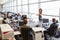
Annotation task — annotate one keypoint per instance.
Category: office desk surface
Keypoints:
(16, 33)
(35, 29)
(17, 20)
(38, 29)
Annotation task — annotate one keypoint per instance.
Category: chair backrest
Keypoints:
(21, 23)
(0, 34)
(26, 33)
(24, 17)
(53, 29)
(16, 18)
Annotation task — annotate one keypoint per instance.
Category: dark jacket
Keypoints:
(40, 18)
(53, 27)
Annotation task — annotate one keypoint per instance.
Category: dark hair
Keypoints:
(24, 17)
(40, 11)
(53, 19)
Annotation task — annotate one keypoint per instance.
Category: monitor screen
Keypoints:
(45, 20)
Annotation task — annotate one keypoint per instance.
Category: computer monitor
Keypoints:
(45, 20)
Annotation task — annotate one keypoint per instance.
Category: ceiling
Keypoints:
(3, 1)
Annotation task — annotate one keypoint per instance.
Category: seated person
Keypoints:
(16, 17)
(19, 16)
(4, 21)
(50, 31)
(27, 33)
(24, 18)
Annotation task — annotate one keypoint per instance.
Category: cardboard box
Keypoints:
(6, 31)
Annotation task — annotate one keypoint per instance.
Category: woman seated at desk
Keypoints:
(24, 18)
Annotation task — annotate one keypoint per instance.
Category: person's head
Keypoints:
(53, 20)
(19, 14)
(40, 11)
(56, 21)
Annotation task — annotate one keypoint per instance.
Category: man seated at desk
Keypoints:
(53, 27)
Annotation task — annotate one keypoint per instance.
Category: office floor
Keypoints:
(53, 38)
(56, 38)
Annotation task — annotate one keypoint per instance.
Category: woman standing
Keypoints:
(40, 17)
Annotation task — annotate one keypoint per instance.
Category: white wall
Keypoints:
(1, 7)
(3, 1)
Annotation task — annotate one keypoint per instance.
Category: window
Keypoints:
(14, 9)
(14, 3)
(51, 8)
(33, 1)
(50, 17)
(18, 2)
(7, 9)
(19, 8)
(25, 8)
(33, 8)
(45, 0)
(24, 1)
(10, 4)
(7, 5)
(34, 17)
(4, 9)
(25, 13)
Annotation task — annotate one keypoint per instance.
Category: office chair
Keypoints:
(27, 33)
(10, 17)
(16, 18)
(52, 33)
(24, 17)
(0, 34)
(21, 23)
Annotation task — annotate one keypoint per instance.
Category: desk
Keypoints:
(38, 34)
(17, 20)
(16, 33)
(38, 29)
